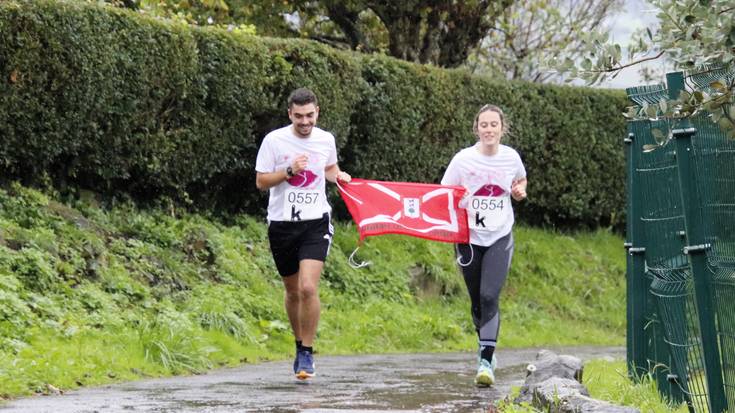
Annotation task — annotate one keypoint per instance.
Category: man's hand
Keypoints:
(334, 174)
(344, 177)
(299, 164)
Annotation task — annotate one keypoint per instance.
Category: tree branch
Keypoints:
(633, 63)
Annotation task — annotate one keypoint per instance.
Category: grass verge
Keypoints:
(92, 295)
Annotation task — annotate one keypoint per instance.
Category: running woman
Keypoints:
(293, 163)
(492, 173)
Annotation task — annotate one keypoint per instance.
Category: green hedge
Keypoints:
(108, 100)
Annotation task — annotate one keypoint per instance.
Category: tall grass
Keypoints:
(608, 380)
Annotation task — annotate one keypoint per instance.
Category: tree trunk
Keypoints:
(439, 32)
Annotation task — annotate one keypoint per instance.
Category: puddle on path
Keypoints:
(373, 383)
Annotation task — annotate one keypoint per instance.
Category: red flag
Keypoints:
(421, 210)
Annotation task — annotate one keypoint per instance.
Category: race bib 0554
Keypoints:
(488, 213)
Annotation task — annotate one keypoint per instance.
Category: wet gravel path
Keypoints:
(439, 382)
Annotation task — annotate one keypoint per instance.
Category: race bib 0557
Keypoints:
(301, 205)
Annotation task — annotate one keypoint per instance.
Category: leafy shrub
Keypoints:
(102, 98)
(34, 268)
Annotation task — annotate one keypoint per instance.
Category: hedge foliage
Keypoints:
(105, 99)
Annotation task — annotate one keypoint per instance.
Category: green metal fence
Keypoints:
(714, 170)
(681, 251)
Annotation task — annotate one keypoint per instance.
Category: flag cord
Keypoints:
(354, 264)
(459, 256)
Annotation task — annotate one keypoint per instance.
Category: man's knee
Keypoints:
(308, 291)
(293, 295)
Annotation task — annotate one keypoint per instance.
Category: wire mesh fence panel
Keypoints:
(663, 353)
(682, 210)
(662, 221)
(714, 169)
(676, 303)
(703, 78)
(647, 94)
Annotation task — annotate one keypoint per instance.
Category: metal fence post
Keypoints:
(636, 284)
(696, 250)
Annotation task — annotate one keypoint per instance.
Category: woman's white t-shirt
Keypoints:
(302, 197)
(488, 180)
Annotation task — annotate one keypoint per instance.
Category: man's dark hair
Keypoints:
(302, 96)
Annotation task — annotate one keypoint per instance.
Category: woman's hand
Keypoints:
(464, 202)
(518, 189)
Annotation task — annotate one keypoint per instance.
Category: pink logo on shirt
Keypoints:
(303, 179)
(489, 190)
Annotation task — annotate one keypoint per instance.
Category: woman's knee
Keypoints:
(490, 304)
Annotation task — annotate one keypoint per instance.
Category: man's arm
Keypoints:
(266, 181)
(333, 173)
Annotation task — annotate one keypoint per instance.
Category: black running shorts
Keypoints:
(292, 242)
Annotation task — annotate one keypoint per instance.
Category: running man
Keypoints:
(293, 163)
(492, 173)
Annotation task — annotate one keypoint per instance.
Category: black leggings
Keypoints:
(485, 276)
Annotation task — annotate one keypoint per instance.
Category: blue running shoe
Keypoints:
(305, 368)
(296, 362)
(493, 362)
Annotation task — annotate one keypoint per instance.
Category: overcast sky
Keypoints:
(635, 14)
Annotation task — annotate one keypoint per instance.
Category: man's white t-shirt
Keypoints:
(488, 180)
(302, 197)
